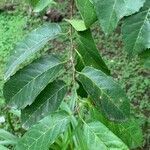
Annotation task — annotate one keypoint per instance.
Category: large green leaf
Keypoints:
(129, 132)
(47, 102)
(43, 134)
(99, 137)
(109, 12)
(88, 53)
(22, 88)
(136, 31)
(87, 12)
(105, 93)
(31, 44)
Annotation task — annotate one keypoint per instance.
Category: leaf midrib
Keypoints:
(35, 79)
(28, 52)
(43, 104)
(35, 141)
(139, 33)
(104, 93)
(22, 56)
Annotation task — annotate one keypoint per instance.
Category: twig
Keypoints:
(71, 43)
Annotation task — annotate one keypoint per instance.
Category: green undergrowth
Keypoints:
(131, 75)
(11, 30)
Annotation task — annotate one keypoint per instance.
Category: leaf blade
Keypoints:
(87, 12)
(43, 134)
(98, 136)
(42, 4)
(47, 102)
(3, 147)
(22, 88)
(78, 25)
(129, 132)
(32, 43)
(136, 31)
(106, 94)
(88, 52)
(7, 136)
(110, 12)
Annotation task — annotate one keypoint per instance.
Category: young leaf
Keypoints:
(106, 93)
(110, 12)
(30, 45)
(22, 88)
(88, 52)
(47, 102)
(78, 25)
(98, 136)
(43, 134)
(42, 4)
(87, 12)
(136, 31)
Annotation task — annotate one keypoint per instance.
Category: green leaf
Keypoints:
(78, 25)
(145, 58)
(30, 45)
(110, 12)
(88, 52)
(87, 12)
(42, 4)
(22, 88)
(7, 142)
(3, 147)
(7, 136)
(47, 102)
(129, 132)
(98, 136)
(33, 2)
(81, 91)
(106, 93)
(136, 31)
(43, 134)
